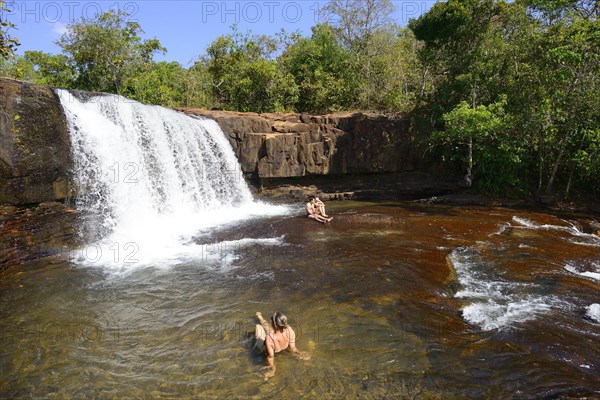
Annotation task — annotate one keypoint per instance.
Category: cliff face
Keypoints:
(278, 145)
(35, 156)
(339, 156)
(273, 149)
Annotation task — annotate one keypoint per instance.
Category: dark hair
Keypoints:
(279, 320)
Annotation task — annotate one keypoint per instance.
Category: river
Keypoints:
(392, 300)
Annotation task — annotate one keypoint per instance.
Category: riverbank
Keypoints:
(583, 207)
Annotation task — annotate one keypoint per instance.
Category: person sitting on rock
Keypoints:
(321, 207)
(275, 337)
(313, 210)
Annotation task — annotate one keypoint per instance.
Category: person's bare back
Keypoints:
(275, 337)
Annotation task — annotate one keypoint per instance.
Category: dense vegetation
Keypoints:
(508, 91)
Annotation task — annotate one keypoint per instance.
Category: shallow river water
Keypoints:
(392, 300)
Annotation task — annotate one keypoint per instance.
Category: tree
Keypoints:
(198, 87)
(40, 67)
(555, 87)
(106, 51)
(51, 69)
(8, 43)
(393, 77)
(158, 83)
(323, 71)
(354, 22)
(543, 58)
(245, 76)
(461, 44)
(381, 52)
(493, 154)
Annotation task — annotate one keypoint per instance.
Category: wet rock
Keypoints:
(34, 145)
(594, 228)
(290, 191)
(48, 230)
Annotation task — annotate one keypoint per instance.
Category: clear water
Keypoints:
(376, 297)
(392, 300)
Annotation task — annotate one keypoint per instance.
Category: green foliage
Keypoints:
(323, 71)
(543, 57)
(8, 43)
(106, 51)
(510, 89)
(354, 22)
(157, 83)
(392, 73)
(461, 49)
(484, 123)
(245, 77)
(51, 69)
(497, 156)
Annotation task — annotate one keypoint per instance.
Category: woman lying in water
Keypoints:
(275, 337)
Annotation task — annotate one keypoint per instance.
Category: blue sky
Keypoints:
(185, 28)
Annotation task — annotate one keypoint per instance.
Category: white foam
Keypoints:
(587, 274)
(593, 311)
(523, 221)
(578, 237)
(494, 303)
(149, 178)
(490, 315)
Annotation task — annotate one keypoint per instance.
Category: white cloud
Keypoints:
(59, 28)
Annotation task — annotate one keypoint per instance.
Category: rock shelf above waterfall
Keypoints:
(36, 153)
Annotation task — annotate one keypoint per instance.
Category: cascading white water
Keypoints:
(148, 177)
(493, 302)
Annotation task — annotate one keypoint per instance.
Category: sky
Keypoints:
(185, 28)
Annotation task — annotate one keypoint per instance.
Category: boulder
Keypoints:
(35, 156)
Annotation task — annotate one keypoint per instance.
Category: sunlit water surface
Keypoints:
(391, 301)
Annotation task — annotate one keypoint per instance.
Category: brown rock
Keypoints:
(48, 230)
(290, 127)
(305, 118)
(330, 144)
(35, 156)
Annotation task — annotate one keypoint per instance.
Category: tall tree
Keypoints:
(158, 83)
(460, 47)
(356, 21)
(51, 69)
(366, 29)
(323, 71)
(457, 37)
(107, 50)
(245, 76)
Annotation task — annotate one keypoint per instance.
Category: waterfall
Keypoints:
(149, 177)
